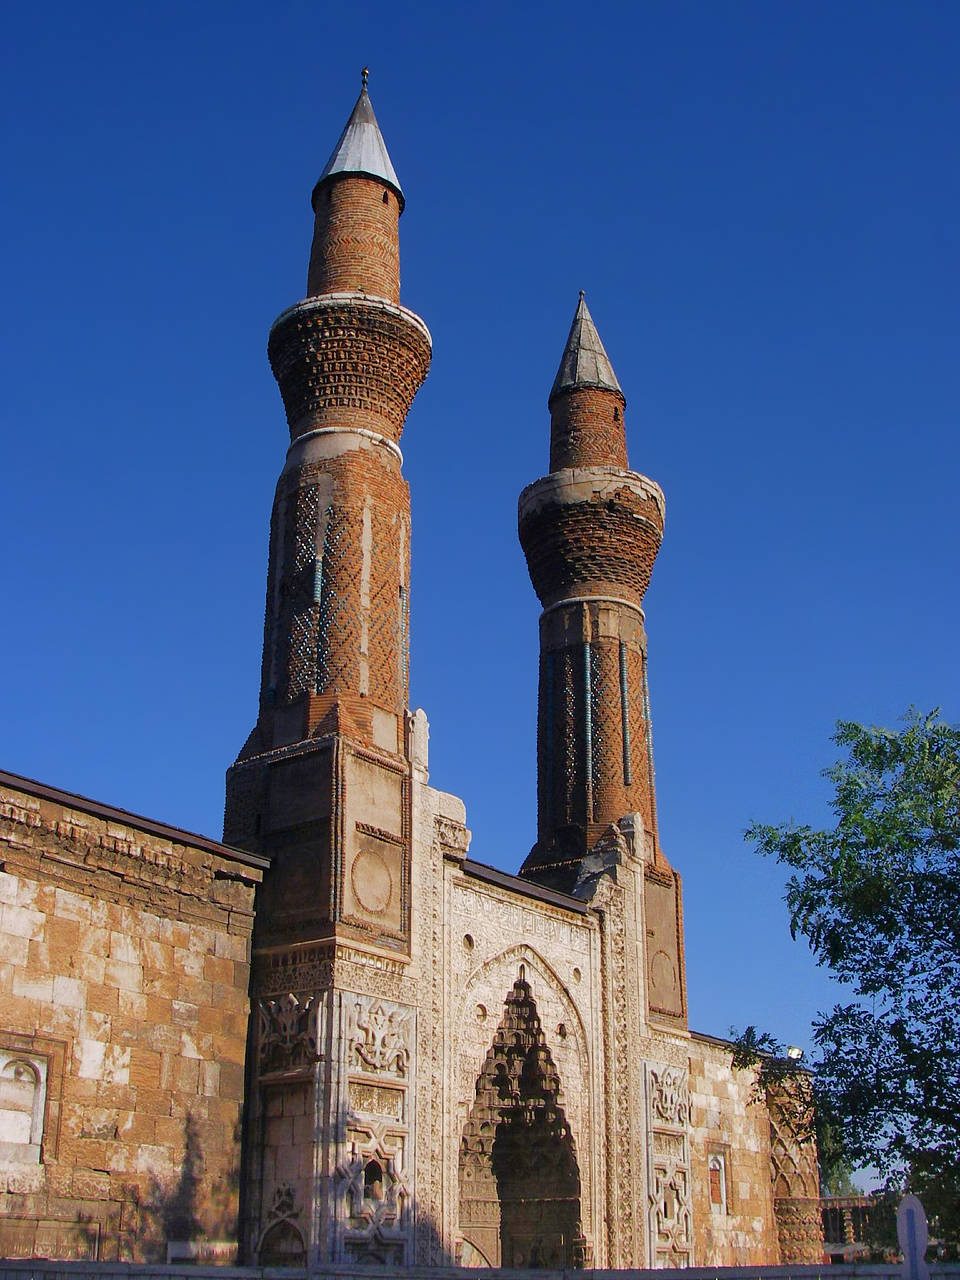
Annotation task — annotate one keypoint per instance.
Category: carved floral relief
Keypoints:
(669, 1097)
(288, 1032)
(379, 1035)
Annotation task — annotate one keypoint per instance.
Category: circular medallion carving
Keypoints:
(371, 881)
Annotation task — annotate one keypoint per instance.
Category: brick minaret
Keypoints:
(590, 531)
(326, 783)
(348, 360)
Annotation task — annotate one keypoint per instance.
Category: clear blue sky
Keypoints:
(760, 200)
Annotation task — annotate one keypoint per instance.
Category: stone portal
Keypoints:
(519, 1180)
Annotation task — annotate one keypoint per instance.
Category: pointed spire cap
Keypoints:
(584, 362)
(361, 148)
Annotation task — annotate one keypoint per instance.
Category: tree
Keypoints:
(878, 899)
(775, 1071)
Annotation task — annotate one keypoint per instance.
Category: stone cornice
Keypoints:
(92, 848)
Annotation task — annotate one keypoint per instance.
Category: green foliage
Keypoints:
(836, 1168)
(878, 899)
(778, 1074)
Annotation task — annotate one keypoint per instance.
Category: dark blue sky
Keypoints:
(760, 200)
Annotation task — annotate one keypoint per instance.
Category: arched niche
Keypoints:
(519, 1180)
(480, 1007)
(22, 1100)
(282, 1246)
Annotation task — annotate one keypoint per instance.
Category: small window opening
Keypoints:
(373, 1180)
(616, 414)
(386, 197)
(718, 1183)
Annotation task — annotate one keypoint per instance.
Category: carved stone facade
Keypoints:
(669, 1192)
(444, 1063)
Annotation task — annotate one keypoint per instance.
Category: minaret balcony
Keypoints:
(349, 359)
(591, 531)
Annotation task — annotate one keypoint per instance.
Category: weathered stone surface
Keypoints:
(86, 898)
(447, 1064)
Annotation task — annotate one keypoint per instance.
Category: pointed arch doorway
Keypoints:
(519, 1178)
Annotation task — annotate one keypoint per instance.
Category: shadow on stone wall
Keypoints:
(376, 1226)
(189, 1207)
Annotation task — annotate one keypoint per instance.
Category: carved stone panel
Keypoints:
(665, 994)
(288, 1033)
(669, 1096)
(479, 1002)
(373, 1179)
(669, 1192)
(373, 894)
(373, 888)
(379, 1036)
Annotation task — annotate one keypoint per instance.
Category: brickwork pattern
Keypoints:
(619, 776)
(586, 429)
(793, 1163)
(347, 362)
(590, 532)
(132, 953)
(355, 246)
(593, 547)
(321, 786)
(337, 612)
(560, 774)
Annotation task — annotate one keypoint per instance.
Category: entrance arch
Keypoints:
(519, 1178)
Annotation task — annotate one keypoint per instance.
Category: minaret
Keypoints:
(348, 360)
(590, 531)
(326, 784)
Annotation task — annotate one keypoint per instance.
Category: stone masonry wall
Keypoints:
(733, 1215)
(124, 962)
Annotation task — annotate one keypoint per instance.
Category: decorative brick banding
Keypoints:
(348, 363)
(606, 545)
(586, 429)
(355, 244)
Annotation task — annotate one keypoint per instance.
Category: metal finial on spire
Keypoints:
(582, 294)
(361, 148)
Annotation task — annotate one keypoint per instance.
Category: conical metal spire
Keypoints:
(584, 362)
(361, 148)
